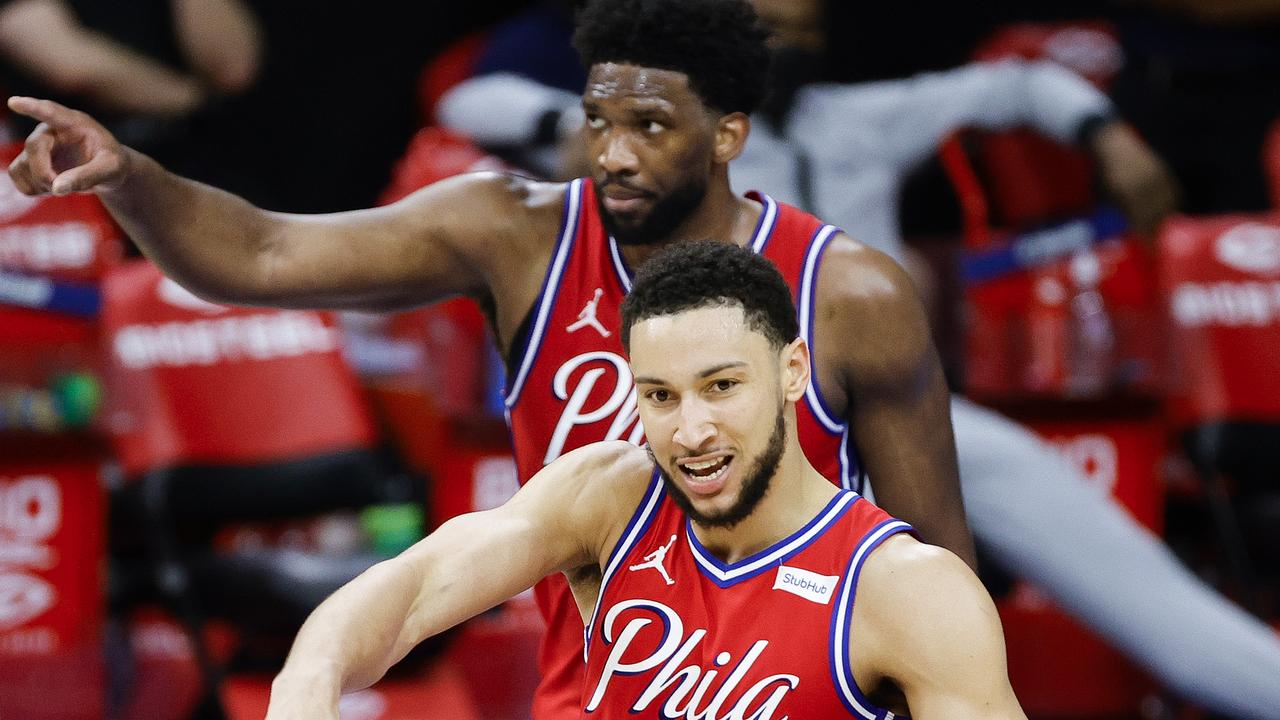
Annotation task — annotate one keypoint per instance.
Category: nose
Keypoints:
(696, 429)
(617, 157)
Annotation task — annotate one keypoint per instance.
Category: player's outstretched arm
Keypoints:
(461, 236)
(873, 327)
(564, 517)
(923, 621)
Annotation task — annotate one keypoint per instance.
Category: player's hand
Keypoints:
(1135, 177)
(68, 152)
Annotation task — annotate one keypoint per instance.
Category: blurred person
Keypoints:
(843, 152)
(667, 111)
(719, 541)
(157, 61)
(1199, 82)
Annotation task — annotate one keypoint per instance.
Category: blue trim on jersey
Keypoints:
(637, 527)
(808, 300)
(550, 287)
(727, 574)
(841, 667)
(764, 225)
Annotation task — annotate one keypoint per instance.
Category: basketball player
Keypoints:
(670, 87)
(737, 581)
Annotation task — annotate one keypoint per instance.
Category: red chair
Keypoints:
(225, 415)
(52, 504)
(1221, 276)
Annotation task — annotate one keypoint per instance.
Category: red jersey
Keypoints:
(570, 385)
(676, 633)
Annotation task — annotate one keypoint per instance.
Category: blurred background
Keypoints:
(181, 482)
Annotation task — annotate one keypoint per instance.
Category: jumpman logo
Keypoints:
(654, 560)
(588, 317)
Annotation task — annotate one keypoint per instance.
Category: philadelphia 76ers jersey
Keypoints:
(676, 633)
(570, 384)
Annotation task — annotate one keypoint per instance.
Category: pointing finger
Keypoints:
(46, 111)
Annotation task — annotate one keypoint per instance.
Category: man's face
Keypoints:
(712, 402)
(650, 141)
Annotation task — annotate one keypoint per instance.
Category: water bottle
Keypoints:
(1091, 344)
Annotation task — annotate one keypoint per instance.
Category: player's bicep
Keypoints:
(446, 239)
(898, 405)
(944, 647)
(558, 521)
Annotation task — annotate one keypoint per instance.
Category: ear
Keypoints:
(795, 369)
(731, 135)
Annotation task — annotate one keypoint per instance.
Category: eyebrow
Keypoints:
(705, 373)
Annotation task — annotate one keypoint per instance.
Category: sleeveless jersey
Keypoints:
(677, 633)
(570, 385)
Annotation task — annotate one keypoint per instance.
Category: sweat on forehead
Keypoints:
(726, 67)
(643, 84)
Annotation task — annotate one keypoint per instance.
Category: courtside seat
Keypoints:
(1222, 279)
(222, 415)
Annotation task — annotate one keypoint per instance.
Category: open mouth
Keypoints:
(706, 476)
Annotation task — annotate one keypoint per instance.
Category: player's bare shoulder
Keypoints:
(484, 216)
(865, 296)
(922, 601)
(595, 489)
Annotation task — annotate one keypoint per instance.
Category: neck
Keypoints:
(722, 216)
(797, 493)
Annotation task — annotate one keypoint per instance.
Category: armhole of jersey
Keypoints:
(550, 286)
(636, 528)
(808, 300)
(520, 343)
(841, 668)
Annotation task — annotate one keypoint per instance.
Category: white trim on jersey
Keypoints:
(806, 292)
(846, 685)
(550, 287)
(846, 482)
(636, 530)
(765, 231)
(619, 265)
(724, 574)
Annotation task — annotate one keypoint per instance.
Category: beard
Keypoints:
(666, 215)
(754, 487)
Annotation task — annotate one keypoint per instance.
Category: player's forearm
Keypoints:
(211, 241)
(354, 636)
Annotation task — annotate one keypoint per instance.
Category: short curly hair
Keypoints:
(718, 44)
(705, 273)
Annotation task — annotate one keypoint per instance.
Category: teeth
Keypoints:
(715, 474)
(693, 469)
(703, 465)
